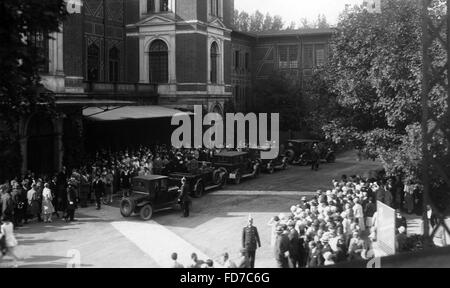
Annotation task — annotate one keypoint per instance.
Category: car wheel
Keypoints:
(146, 212)
(290, 154)
(199, 190)
(237, 180)
(127, 207)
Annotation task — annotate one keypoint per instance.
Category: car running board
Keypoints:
(212, 187)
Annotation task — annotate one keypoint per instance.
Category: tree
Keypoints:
(279, 94)
(256, 22)
(321, 22)
(278, 23)
(268, 22)
(292, 26)
(242, 21)
(375, 71)
(23, 22)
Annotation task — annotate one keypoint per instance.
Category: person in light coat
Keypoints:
(47, 206)
(359, 214)
(7, 231)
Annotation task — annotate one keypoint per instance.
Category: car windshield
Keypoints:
(139, 185)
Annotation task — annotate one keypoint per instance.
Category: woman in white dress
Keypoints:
(7, 231)
(47, 206)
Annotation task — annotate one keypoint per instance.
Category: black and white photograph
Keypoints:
(236, 134)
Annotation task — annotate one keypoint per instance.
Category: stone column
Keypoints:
(59, 147)
(24, 153)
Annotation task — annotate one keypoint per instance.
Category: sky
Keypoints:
(294, 10)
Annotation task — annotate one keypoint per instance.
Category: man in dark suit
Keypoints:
(315, 259)
(281, 249)
(71, 205)
(250, 241)
(294, 245)
(99, 190)
(184, 198)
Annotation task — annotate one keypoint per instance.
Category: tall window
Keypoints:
(237, 56)
(247, 61)
(214, 7)
(39, 41)
(164, 5)
(159, 62)
(288, 57)
(314, 55)
(93, 62)
(308, 56)
(214, 60)
(151, 6)
(114, 60)
(320, 55)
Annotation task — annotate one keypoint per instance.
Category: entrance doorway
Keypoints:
(41, 145)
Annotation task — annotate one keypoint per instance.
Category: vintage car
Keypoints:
(203, 179)
(239, 165)
(268, 165)
(300, 151)
(149, 194)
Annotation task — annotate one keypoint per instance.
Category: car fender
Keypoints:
(199, 181)
(143, 203)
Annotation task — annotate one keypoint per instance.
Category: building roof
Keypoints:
(296, 32)
(130, 113)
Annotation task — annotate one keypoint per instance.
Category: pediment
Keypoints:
(155, 20)
(217, 23)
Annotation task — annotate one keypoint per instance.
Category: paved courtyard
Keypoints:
(105, 239)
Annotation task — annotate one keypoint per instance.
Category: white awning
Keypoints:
(130, 113)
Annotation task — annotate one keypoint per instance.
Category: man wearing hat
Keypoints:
(294, 245)
(184, 198)
(281, 250)
(250, 241)
(71, 201)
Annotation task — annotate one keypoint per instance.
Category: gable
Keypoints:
(217, 23)
(155, 20)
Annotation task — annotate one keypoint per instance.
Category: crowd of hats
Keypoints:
(340, 223)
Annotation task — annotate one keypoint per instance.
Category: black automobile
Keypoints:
(203, 179)
(149, 194)
(300, 151)
(239, 165)
(268, 165)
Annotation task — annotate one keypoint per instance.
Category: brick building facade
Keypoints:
(171, 53)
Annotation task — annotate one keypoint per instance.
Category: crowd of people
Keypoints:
(336, 225)
(106, 173)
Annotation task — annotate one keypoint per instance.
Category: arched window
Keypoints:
(159, 56)
(93, 64)
(214, 61)
(114, 60)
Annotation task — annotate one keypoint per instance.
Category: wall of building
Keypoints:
(241, 68)
(191, 58)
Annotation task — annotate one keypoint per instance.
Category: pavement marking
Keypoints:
(263, 193)
(159, 242)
